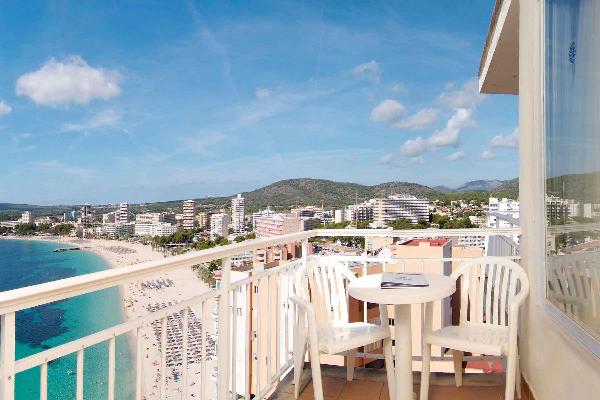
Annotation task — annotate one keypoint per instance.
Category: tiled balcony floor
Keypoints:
(370, 384)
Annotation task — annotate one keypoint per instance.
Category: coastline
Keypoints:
(138, 298)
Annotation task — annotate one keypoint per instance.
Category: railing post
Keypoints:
(7, 355)
(224, 356)
(304, 253)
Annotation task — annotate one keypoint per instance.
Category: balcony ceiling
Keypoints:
(499, 67)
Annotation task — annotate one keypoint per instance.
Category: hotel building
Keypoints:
(189, 211)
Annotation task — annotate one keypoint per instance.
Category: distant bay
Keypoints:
(25, 263)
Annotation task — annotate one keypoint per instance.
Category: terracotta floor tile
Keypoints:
(332, 388)
(361, 390)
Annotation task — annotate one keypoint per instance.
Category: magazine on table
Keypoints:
(390, 280)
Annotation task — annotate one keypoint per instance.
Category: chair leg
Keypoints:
(518, 383)
(511, 374)
(299, 352)
(350, 363)
(389, 367)
(315, 364)
(458, 369)
(425, 367)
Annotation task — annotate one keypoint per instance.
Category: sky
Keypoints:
(148, 101)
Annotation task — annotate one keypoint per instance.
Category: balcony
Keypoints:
(236, 339)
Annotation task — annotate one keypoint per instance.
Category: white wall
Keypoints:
(555, 365)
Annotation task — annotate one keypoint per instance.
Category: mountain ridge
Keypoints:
(304, 191)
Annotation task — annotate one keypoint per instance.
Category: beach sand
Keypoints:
(141, 297)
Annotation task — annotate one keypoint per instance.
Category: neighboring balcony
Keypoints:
(236, 340)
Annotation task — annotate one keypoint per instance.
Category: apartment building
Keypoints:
(281, 224)
(360, 212)
(238, 214)
(399, 206)
(189, 211)
(86, 215)
(26, 218)
(219, 225)
(203, 220)
(149, 218)
(123, 214)
(503, 207)
(154, 228)
(262, 213)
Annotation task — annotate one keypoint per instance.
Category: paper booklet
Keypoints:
(402, 280)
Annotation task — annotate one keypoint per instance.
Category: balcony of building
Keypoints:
(236, 338)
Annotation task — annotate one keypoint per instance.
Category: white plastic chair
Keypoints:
(492, 290)
(322, 323)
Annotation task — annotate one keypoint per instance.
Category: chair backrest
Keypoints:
(488, 288)
(574, 284)
(326, 289)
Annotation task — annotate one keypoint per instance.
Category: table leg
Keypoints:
(403, 339)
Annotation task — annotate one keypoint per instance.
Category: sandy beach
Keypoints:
(142, 297)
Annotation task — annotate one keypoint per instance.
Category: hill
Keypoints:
(304, 191)
(508, 189)
(480, 186)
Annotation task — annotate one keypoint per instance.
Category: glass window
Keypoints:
(572, 109)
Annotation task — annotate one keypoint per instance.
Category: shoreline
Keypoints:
(140, 298)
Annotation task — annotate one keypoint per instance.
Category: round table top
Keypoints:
(368, 288)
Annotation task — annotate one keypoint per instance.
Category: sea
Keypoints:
(25, 263)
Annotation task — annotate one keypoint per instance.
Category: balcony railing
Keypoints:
(232, 341)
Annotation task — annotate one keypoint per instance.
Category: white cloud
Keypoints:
(386, 158)
(416, 160)
(413, 147)
(201, 142)
(388, 111)
(422, 119)
(262, 93)
(510, 141)
(456, 156)
(103, 119)
(4, 108)
(369, 71)
(59, 167)
(466, 97)
(71, 81)
(399, 87)
(486, 155)
(450, 135)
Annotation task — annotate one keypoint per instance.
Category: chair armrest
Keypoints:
(304, 305)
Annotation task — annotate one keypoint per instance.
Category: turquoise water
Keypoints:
(24, 263)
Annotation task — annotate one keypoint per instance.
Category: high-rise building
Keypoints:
(219, 225)
(238, 213)
(86, 215)
(189, 211)
(400, 206)
(122, 216)
(203, 220)
(26, 218)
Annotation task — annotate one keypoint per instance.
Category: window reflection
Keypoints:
(572, 105)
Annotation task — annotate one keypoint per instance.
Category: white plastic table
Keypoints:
(368, 288)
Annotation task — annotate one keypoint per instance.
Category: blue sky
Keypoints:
(132, 101)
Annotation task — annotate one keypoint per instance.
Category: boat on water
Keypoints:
(59, 250)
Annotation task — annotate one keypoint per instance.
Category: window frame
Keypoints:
(567, 324)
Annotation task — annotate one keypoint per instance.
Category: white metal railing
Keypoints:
(251, 348)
